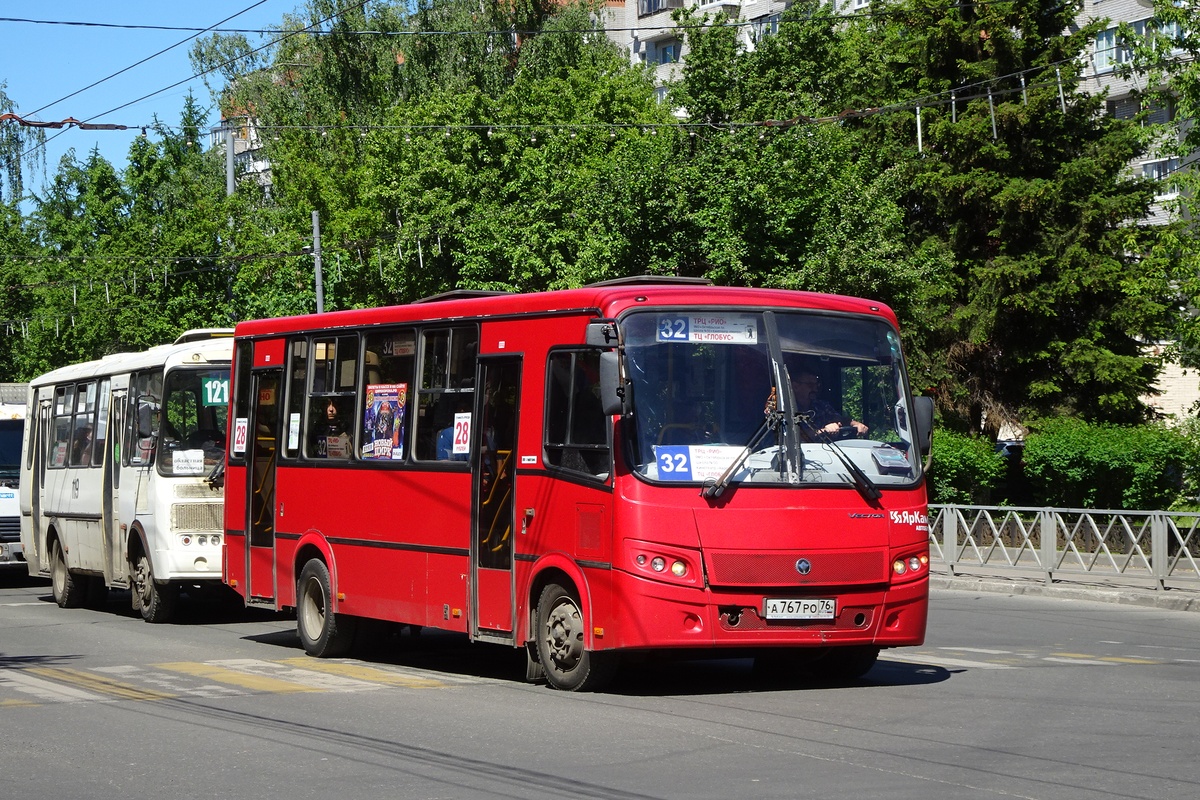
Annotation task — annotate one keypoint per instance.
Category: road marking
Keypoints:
(365, 673)
(1128, 660)
(48, 691)
(983, 650)
(14, 605)
(222, 674)
(1077, 658)
(942, 661)
(99, 683)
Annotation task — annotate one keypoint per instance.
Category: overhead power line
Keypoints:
(144, 60)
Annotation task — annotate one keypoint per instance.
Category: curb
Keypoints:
(1167, 600)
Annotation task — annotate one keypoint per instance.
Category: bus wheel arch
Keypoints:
(156, 600)
(560, 635)
(323, 632)
(68, 590)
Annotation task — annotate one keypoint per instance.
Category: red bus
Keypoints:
(636, 465)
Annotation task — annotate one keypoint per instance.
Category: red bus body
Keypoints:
(402, 539)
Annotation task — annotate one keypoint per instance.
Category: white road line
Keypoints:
(941, 661)
(45, 690)
(983, 650)
(306, 677)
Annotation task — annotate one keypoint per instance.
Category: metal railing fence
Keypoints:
(1156, 549)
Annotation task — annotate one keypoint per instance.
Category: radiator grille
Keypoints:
(197, 516)
(827, 568)
(10, 529)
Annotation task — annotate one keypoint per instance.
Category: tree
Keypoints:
(1016, 260)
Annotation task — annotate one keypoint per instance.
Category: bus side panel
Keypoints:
(398, 537)
(234, 559)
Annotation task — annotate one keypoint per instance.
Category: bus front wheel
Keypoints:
(323, 633)
(561, 628)
(69, 591)
(156, 601)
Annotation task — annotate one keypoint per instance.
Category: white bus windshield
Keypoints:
(196, 404)
(826, 403)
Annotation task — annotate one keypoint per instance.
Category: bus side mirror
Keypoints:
(613, 395)
(923, 423)
(145, 416)
(601, 333)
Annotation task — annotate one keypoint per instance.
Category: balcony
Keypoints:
(648, 7)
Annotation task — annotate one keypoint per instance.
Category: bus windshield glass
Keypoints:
(10, 449)
(192, 435)
(784, 397)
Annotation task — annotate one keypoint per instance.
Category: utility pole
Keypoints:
(228, 159)
(316, 219)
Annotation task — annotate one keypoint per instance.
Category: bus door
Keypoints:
(260, 484)
(493, 477)
(43, 418)
(110, 506)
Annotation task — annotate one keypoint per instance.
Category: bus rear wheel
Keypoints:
(69, 591)
(561, 628)
(156, 601)
(323, 633)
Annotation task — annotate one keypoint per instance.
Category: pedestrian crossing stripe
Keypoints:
(365, 673)
(256, 683)
(90, 681)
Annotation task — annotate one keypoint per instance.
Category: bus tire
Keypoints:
(69, 590)
(156, 601)
(323, 633)
(561, 627)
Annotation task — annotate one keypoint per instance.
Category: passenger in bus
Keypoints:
(81, 447)
(331, 439)
(445, 437)
(819, 416)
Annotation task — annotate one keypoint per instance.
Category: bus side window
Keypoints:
(448, 357)
(332, 390)
(389, 364)
(295, 396)
(576, 436)
(60, 443)
(84, 425)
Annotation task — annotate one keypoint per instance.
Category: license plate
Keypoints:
(795, 608)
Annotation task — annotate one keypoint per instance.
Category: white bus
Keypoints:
(12, 426)
(117, 474)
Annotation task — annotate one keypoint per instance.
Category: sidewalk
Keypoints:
(1094, 589)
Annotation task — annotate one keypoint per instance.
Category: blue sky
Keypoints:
(42, 63)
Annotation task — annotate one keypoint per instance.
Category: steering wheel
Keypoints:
(198, 438)
(845, 432)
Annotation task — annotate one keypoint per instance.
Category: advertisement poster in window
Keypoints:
(383, 421)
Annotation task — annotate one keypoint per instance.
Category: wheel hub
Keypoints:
(564, 636)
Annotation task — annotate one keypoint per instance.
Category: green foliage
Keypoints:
(1075, 464)
(546, 159)
(965, 469)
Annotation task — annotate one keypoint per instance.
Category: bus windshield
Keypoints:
(10, 449)
(783, 397)
(196, 404)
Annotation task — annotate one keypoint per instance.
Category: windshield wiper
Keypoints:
(770, 422)
(862, 483)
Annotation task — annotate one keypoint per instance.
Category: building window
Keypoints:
(1161, 169)
(647, 7)
(762, 27)
(669, 51)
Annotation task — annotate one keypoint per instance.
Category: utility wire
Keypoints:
(284, 37)
(147, 58)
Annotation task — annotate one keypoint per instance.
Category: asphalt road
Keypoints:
(1011, 697)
